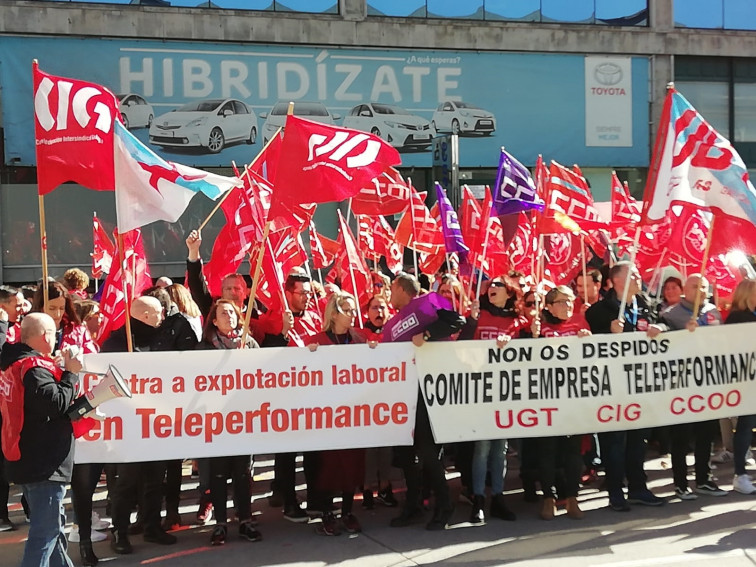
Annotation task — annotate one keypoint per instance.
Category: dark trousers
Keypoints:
(560, 465)
(680, 437)
(285, 482)
(4, 490)
(623, 454)
(237, 468)
(148, 475)
(424, 460)
(83, 484)
(172, 485)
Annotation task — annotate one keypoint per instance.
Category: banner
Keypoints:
(568, 385)
(232, 402)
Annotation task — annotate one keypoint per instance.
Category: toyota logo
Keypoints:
(607, 74)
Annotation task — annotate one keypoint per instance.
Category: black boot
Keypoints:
(120, 543)
(477, 517)
(88, 557)
(499, 509)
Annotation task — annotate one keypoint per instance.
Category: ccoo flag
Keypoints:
(695, 164)
(453, 239)
(515, 189)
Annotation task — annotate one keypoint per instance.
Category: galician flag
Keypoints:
(149, 188)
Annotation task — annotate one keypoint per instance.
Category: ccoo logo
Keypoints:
(560, 249)
(694, 237)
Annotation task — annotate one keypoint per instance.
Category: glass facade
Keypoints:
(601, 12)
(307, 6)
(716, 14)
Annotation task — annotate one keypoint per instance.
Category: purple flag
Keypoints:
(515, 190)
(453, 240)
(414, 317)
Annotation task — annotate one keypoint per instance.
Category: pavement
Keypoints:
(692, 533)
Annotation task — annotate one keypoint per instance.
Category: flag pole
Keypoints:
(633, 253)
(126, 294)
(585, 271)
(412, 232)
(246, 168)
(448, 271)
(482, 259)
(253, 289)
(43, 249)
(697, 302)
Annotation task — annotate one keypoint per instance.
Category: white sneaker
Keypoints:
(98, 523)
(74, 536)
(742, 483)
(724, 456)
(750, 461)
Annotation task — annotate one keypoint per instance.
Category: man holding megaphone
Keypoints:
(37, 434)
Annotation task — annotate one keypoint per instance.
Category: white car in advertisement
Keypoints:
(459, 117)
(393, 124)
(135, 111)
(315, 111)
(210, 125)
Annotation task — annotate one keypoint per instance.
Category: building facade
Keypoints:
(207, 83)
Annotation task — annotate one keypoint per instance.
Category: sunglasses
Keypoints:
(530, 304)
(498, 284)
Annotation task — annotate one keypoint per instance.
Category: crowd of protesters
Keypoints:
(174, 317)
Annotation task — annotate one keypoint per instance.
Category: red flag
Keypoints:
(265, 164)
(320, 258)
(73, 127)
(386, 245)
(325, 163)
(286, 249)
(470, 220)
(523, 246)
(417, 229)
(103, 250)
(569, 194)
(387, 195)
(350, 266)
(625, 210)
(565, 257)
(137, 276)
(235, 239)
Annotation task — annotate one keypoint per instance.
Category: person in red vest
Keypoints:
(37, 435)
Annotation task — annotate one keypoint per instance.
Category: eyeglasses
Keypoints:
(498, 284)
(565, 301)
(307, 293)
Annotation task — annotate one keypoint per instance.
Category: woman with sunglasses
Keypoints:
(341, 470)
(496, 315)
(558, 319)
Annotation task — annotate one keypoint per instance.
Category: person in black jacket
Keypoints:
(425, 458)
(146, 317)
(623, 452)
(38, 440)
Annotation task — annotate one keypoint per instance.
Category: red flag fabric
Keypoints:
(103, 250)
(470, 220)
(320, 258)
(626, 211)
(73, 127)
(417, 229)
(350, 266)
(523, 246)
(386, 245)
(387, 195)
(569, 194)
(265, 164)
(137, 277)
(326, 163)
(564, 257)
(236, 238)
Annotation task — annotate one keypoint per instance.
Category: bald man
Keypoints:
(146, 317)
(37, 439)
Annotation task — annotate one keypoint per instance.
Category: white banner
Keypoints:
(568, 385)
(608, 101)
(231, 402)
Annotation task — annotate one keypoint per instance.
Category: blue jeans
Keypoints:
(489, 455)
(47, 544)
(741, 442)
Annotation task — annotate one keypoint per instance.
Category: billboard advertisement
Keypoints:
(207, 104)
